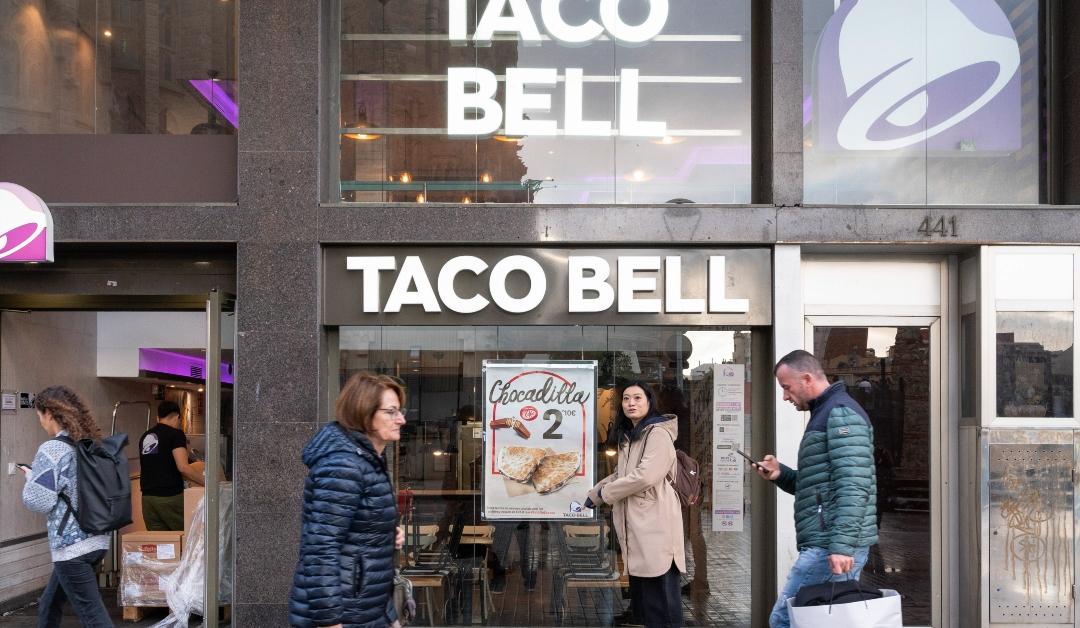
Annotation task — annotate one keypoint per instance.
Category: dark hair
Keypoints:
(69, 410)
(166, 408)
(360, 398)
(623, 425)
(801, 362)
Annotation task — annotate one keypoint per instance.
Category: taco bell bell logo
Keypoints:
(896, 74)
(26, 228)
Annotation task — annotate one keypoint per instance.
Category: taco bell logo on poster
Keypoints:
(895, 74)
(26, 228)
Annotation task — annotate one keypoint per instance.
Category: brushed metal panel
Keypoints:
(1031, 534)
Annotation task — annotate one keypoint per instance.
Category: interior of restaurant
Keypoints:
(468, 569)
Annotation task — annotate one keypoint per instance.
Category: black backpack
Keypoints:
(104, 487)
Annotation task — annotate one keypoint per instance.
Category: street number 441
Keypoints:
(942, 227)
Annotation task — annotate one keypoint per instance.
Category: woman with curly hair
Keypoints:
(75, 552)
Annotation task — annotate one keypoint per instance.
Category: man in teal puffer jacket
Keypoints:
(835, 486)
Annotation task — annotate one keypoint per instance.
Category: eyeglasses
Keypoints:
(393, 412)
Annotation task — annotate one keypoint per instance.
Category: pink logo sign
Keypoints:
(26, 227)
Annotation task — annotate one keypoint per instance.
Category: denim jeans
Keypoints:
(74, 580)
(811, 567)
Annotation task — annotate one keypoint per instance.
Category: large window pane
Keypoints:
(125, 66)
(436, 468)
(927, 101)
(403, 139)
(1035, 364)
(887, 371)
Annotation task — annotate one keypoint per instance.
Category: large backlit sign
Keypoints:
(545, 286)
(26, 227)
(895, 74)
(472, 91)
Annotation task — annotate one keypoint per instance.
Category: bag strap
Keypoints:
(858, 587)
(64, 438)
(675, 462)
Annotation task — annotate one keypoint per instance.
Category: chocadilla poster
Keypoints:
(539, 439)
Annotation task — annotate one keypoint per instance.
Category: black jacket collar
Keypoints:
(824, 397)
(639, 429)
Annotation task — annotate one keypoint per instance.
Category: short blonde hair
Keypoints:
(360, 398)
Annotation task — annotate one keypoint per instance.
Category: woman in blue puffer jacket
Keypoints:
(345, 574)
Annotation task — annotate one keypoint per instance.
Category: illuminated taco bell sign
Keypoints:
(896, 74)
(26, 227)
(472, 107)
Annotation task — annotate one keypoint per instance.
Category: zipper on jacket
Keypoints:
(820, 513)
(358, 574)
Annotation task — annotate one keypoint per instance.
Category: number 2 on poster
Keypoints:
(558, 416)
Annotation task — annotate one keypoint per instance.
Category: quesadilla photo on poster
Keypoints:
(519, 463)
(555, 470)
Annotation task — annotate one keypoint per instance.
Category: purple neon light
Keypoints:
(172, 363)
(219, 98)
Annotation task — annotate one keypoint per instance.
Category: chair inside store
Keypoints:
(429, 564)
(468, 548)
(586, 565)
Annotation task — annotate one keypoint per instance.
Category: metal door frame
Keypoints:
(217, 303)
(940, 441)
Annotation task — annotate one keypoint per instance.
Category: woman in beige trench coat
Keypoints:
(646, 511)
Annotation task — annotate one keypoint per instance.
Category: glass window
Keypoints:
(921, 102)
(573, 106)
(124, 66)
(1035, 364)
(436, 467)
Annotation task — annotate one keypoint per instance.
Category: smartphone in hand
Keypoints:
(25, 468)
(753, 463)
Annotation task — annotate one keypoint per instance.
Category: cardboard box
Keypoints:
(192, 497)
(137, 523)
(145, 558)
(157, 546)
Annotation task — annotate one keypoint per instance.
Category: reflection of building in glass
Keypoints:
(895, 392)
(1031, 380)
(146, 55)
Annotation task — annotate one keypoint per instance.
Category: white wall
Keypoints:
(121, 334)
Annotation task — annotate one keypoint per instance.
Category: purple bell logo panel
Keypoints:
(26, 227)
(940, 74)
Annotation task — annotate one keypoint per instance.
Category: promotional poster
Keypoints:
(539, 439)
(728, 466)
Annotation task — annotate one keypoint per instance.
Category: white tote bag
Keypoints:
(883, 612)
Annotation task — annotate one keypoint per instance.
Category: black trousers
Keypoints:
(656, 601)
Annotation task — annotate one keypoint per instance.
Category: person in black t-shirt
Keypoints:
(163, 457)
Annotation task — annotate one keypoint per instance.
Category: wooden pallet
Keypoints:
(137, 613)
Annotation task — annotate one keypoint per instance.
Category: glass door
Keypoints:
(891, 369)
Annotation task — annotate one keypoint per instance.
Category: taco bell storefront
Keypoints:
(460, 326)
(516, 347)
